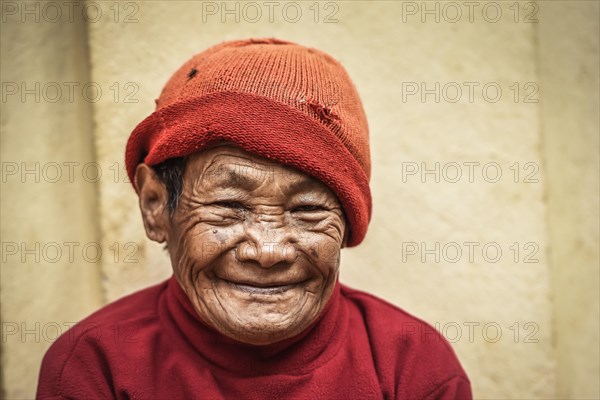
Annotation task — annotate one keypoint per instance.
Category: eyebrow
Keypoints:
(305, 184)
(229, 176)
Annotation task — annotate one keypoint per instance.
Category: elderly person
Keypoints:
(254, 171)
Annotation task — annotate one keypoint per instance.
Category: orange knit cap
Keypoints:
(274, 98)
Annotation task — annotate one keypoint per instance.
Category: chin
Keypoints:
(259, 323)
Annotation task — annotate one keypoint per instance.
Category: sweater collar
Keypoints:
(294, 356)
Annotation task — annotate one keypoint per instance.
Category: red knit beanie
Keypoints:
(276, 99)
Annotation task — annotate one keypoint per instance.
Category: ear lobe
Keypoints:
(153, 199)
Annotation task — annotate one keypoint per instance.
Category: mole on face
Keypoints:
(219, 236)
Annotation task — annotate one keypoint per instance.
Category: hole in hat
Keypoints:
(324, 112)
(192, 73)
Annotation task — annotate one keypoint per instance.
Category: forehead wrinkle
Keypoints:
(235, 160)
(235, 174)
(231, 170)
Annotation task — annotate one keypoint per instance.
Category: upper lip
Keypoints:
(263, 284)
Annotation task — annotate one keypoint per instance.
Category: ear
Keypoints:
(153, 203)
(346, 235)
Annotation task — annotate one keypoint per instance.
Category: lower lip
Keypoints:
(261, 290)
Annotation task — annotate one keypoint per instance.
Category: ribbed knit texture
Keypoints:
(274, 98)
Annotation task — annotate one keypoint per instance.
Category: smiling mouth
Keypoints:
(264, 290)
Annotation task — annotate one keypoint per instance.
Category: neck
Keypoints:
(301, 353)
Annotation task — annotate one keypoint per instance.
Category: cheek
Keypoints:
(322, 251)
(322, 242)
(202, 244)
(324, 228)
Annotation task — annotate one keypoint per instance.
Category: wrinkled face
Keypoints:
(255, 244)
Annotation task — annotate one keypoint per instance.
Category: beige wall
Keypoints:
(569, 75)
(543, 348)
(45, 214)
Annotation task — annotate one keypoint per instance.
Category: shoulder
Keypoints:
(411, 356)
(398, 325)
(82, 353)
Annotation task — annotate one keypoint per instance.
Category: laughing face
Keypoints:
(254, 244)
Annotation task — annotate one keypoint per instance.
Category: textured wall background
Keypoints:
(570, 134)
(502, 87)
(49, 213)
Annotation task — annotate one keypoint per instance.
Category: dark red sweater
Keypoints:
(152, 345)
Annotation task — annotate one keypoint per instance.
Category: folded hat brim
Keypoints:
(262, 126)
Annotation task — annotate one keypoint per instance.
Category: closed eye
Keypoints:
(229, 204)
(308, 208)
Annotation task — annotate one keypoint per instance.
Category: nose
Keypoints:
(267, 244)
